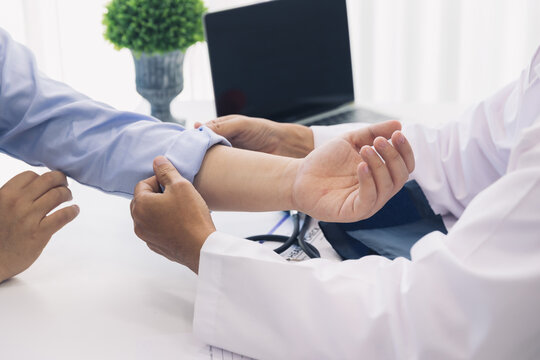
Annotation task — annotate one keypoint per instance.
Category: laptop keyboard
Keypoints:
(354, 115)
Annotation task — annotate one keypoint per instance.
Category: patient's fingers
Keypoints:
(402, 145)
(381, 175)
(366, 135)
(367, 191)
(393, 161)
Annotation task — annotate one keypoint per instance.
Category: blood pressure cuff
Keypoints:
(391, 232)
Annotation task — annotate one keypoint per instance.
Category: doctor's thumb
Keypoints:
(165, 171)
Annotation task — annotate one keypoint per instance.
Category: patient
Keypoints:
(44, 122)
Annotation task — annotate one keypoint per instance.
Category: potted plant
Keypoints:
(158, 32)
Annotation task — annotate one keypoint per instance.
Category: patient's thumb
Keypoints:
(165, 171)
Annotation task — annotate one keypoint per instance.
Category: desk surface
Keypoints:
(97, 292)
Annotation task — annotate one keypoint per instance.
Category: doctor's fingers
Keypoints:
(394, 162)
(381, 175)
(143, 192)
(150, 185)
(198, 124)
(225, 125)
(167, 175)
(42, 184)
(402, 145)
(145, 207)
(366, 135)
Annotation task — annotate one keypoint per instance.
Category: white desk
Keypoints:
(97, 292)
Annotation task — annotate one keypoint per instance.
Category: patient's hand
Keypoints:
(26, 221)
(345, 180)
(263, 135)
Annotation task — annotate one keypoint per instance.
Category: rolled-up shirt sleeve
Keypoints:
(45, 122)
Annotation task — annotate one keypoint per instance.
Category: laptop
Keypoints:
(284, 60)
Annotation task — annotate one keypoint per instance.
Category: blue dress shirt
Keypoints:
(44, 122)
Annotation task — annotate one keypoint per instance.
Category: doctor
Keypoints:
(471, 294)
(44, 122)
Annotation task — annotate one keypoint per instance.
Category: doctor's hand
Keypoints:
(175, 223)
(345, 180)
(26, 221)
(263, 135)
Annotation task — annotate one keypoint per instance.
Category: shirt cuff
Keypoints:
(197, 141)
(323, 134)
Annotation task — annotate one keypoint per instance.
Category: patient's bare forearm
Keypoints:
(240, 180)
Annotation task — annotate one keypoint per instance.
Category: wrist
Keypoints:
(287, 184)
(296, 140)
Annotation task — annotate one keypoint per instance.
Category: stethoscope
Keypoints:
(297, 237)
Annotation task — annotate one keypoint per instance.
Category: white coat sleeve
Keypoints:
(458, 160)
(472, 294)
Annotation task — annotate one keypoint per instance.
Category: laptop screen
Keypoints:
(283, 60)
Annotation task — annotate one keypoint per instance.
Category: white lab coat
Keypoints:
(471, 294)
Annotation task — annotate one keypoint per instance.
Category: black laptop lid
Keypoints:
(283, 60)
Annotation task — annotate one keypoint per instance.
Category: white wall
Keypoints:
(403, 50)
(440, 50)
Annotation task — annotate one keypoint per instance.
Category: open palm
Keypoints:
(345, 180)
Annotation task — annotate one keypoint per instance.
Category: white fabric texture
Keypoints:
(471, 294)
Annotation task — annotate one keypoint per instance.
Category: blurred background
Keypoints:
(404, 51)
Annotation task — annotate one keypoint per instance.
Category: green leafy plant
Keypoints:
(154, 26)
